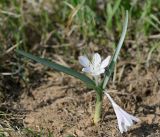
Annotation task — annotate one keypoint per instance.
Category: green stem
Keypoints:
(98, 108)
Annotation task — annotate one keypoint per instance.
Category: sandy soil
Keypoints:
(67, 107)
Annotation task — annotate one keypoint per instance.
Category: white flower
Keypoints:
(125, 120)
(96, 66)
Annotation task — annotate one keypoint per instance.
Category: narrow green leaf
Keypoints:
(116, 53)
(108, 74)
(120, 43)
(59, 67)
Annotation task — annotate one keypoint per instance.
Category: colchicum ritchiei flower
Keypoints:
(96, 66)
(124, 119)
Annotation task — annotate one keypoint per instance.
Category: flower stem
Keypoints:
(98, 107)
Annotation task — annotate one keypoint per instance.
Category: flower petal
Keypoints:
(84, 61)
(87, 69)
(119, 119)
(101, 71)
(96, 59)
(132, 118)
(98, 72)
(127, 119)
(105, 62)
(124, 119)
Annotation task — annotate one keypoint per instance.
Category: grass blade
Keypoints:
(112, 12)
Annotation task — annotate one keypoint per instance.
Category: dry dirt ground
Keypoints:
(64, 106)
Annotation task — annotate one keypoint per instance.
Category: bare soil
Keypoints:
(64, 106)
